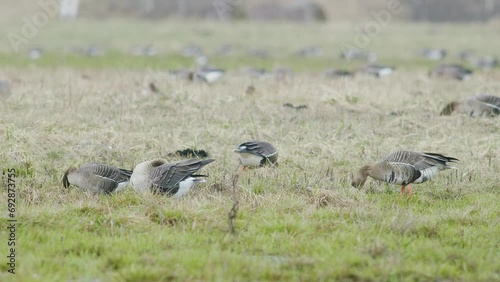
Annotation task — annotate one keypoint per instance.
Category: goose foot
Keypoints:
(244, 168)
(410, 191)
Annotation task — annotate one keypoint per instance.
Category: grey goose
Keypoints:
(404, 168)
(452, 71)
(482, 105)
(257, 153)
(97, 178)
(171, 179)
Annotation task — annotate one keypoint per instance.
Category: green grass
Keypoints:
(300, 221)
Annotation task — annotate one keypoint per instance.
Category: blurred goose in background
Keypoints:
(257, 153)
(311, 51)
(208, 74)
(172, 179)
(487, 62)
(356, 54)
(433, 54)
(146, 51)
(97, 178)
(336, 73)
(376, 70)
(452, 71)
(404, 168)
(35, 53)
(482, 105)
(258, 53)
(93, 51)
(4, 88)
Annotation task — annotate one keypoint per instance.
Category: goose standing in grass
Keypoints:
(172, 179)
(257, 153)
(482, 105)
(404, 168)
(434, 54)
(97, 178)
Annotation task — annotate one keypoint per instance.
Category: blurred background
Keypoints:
(295, 10)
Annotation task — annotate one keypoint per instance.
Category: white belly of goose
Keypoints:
(185, 186)
(250, 159)
(428, 174)
(121, 186)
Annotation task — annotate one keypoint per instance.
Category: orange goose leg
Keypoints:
(403, 188)
(410, 191)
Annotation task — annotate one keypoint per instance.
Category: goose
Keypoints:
(356, 54)
(404, 168)
(97, 178)
(4, 88)
(35, 53)
(172, 179)
(482, 105)
(336, 73)
(208, 74)
(433, 54)
(451, 71)
(257, 153)
(311, 51)
(376, 70)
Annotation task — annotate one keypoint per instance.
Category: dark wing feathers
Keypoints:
(261, 148)
(118, 175)
(168, 176)
(420, 161)
(491, 101)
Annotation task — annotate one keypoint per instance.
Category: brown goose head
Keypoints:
(359, 179)
(450, 108)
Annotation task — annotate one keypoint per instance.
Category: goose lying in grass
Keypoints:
(97, 178)
(172, 179)
(452, 71)
(404, 168)
(482, 105)
(257, 153)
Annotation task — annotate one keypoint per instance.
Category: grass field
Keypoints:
(300, 221)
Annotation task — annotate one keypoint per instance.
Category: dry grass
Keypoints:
(298, 221)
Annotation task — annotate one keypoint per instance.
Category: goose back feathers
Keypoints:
(172, 179)
(257, 153)
(97, 178)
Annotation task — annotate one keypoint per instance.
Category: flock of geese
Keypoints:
(176, 179)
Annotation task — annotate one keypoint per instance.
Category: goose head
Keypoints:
(359, 179)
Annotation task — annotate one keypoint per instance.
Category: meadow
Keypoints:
(299, 221)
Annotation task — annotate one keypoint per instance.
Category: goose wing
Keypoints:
(490, 101)
(395, 172)
(260, 148)
(167, 177)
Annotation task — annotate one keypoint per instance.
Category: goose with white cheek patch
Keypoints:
(257, 153)
(404, 168)
(97, 178)
(171, 179)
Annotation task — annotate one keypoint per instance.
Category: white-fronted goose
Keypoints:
(434, 54)
(172, 179)
(452, 71)
(209, 74)
(311, 51)
(356, 54)
(336, 73)
(482, 105)
(97, 178)
(35, 53)
(257, 153)
(376, 70)
(404, 168)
